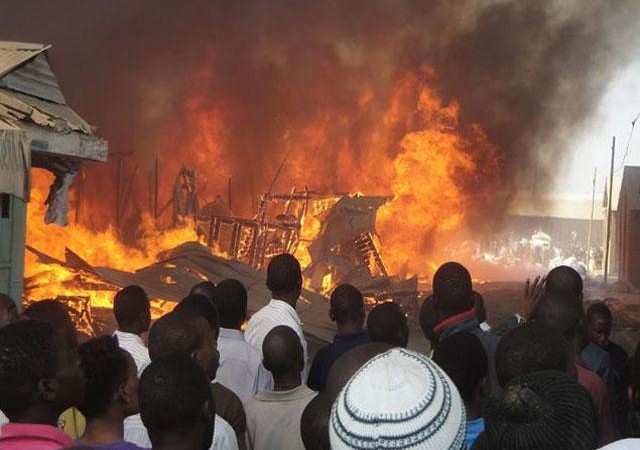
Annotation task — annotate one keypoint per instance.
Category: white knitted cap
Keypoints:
(398, 400)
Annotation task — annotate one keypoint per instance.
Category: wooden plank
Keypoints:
(71, 144)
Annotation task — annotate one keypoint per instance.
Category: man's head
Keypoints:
(387, 323)
(562, 311)
(347, 306)
(8, 310)
(529, 348)
(230, 298)
(184, 332)
(418, 401)
(201, 306)
(599, 323)
(563, 280)
(282, 353)
(132, 310)
(204, 288)
(463, 358)
(542, 410)
(176, 405)
(284, 278)
(57, 315)
(452, 289)
(40, 375)
(111, 379)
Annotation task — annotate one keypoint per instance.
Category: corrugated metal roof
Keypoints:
(12, 54)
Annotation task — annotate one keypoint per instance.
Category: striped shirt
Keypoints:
(240, 365)
(277, 312)
(224, 438)
(135, 346)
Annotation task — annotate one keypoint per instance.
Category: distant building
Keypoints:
(626, 239)
(37, 129)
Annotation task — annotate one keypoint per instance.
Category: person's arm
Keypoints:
(533, 292)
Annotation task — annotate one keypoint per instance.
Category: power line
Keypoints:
(626, 151)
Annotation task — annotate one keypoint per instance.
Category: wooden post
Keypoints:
(607, 243)
(593, 201)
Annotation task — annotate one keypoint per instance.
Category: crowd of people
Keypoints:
(207, 376)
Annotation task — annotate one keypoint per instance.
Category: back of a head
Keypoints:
(531, 347)
(130, 306)
(562, 311)
(387, 323)
(282, 351)
(463, 358)
(174, 333)
(174, 398)
(57, 315)
(204, 288)
(452, 289)
(197, 304)
(396, 398)
(231, 300)
(284, 275)
(540, 411)
(27, 355)
(105, 369)
(346, 303)
(563, 280)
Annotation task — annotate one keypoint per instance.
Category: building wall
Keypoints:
(13, 220)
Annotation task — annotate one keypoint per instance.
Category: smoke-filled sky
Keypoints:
(258, 81)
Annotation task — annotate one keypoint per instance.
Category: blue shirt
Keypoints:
(327, 355)
(474, 428)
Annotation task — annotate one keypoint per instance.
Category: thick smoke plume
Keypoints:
(236, 87)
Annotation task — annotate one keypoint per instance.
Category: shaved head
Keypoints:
(282, 351)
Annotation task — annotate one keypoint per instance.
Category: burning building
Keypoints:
(37, 130)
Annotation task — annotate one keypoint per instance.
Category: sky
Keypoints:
(592, 146)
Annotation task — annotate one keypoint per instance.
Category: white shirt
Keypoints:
(224, 438)
(135, 346)
(276, 313)
(240, 365)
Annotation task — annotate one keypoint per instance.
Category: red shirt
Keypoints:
(597, 389)
(21, 436)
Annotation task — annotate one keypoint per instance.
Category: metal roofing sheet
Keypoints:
(12, 54)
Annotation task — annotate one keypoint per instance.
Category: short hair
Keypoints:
(562, 311)
(463, 358)
(204, 288)
(600, 309)
(452, 289)
(175, 333)
(199, 305)
(429, 319)
(105, 368)
(282, 351)
(564, 280)
(346, 303)
(531, 347)
(173, 391)
(28, 354)
(57, 315)
(230, 298)
(284, 274)
(129, 304)
(387, 323)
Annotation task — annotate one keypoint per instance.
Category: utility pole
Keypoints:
(607, 243)
(593, 200)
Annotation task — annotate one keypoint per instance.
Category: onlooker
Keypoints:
(532, 347)
(284, 280)
(314, 423)
(399, 399)
(462, 357)
(454, 300)
(346, 309)
(240, 363)
(565, 313)
(205, 288)
(388, 323)
(176, 404)
(273, 417)
(110, 394)
(540, 411)
(187, 333)
(599, 324)
(228, 405)
(8, 310)
(133, 315)
(39, 379)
